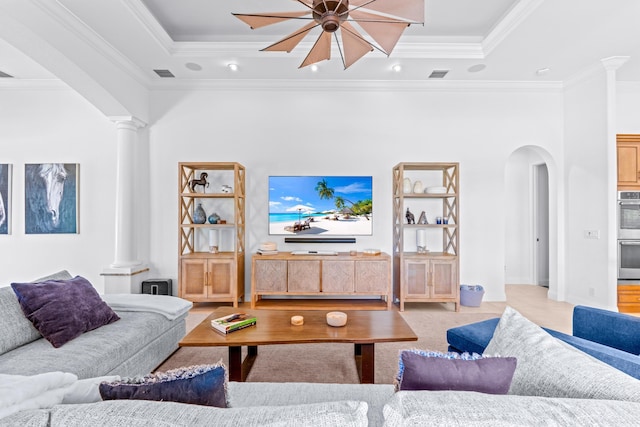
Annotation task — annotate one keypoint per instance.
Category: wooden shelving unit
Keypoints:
(432, 276)
(205, 276)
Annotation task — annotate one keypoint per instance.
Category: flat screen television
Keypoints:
(320, 205)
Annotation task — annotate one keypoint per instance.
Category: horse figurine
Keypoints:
(200, 181)
(411, 219)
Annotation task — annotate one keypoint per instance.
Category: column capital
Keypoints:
(614, 62)
(128, 122)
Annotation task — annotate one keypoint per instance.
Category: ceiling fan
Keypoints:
(383, 20)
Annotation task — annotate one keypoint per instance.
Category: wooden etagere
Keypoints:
(206, 276)
(431, 276)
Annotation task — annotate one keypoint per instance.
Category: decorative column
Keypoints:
(126, 272)
(611, 66)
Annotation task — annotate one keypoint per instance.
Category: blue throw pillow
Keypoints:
(197, 385)
(428, 370)
(62, 310)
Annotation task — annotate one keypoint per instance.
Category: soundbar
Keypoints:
(319, 239)
(314, 253)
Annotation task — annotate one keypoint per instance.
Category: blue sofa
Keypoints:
(611, 337)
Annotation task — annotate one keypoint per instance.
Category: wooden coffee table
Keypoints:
(363, 329)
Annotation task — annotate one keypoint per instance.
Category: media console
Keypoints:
(314, 281)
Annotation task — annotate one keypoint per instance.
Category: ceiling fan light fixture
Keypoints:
(383, 21)
(330, 14)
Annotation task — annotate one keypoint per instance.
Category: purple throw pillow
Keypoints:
(62, 310)
(197, 385)
(491, 375)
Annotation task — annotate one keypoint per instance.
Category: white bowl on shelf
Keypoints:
(336, 318)
(435, 190)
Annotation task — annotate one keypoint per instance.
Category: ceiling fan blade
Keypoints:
(320, 51)
(291, 41)
(258, 20)
(412, 10)
(385, 33)
(307, 3)
(355, 47)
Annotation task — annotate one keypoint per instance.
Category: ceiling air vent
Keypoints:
(438, 74)
(164, 73)
(5, 75)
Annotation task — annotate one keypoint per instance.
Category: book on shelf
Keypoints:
(267, 252)
(233, 322)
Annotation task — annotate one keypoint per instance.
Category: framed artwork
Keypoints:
(51, 198)
(5, 198)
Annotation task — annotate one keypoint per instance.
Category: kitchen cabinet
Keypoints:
(628, 153)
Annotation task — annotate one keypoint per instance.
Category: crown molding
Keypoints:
(150, 24)
(359, 85)
(70, 22)
(33, 84)
(250, 46)
(510, 22)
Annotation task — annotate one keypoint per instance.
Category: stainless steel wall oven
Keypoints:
(628, 234)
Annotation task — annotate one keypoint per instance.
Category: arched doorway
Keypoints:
(533, 225)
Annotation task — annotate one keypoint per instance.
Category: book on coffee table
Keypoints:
(233, 322)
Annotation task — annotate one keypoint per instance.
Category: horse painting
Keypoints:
(50, 196)
(4, 199)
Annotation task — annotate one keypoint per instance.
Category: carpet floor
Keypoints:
(334, 363)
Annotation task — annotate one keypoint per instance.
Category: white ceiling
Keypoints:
(508, 39)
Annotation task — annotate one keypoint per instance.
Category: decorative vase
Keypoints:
(406, 186)
(421, 240)
(417, 187)
(214, 218)
(199, 215)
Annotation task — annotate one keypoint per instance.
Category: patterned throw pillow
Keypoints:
(429, 370)
(198, 385)
(62, 310)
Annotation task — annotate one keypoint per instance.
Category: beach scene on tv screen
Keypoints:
(320, 205)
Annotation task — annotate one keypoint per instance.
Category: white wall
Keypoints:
(362, 132)
(628, 108)
(56, 125)
(586, 191)
(287, 131)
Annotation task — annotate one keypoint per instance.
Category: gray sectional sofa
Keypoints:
(134, 345)
(554, 384)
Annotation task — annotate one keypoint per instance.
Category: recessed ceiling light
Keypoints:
(397, 68)
(233, 66)
(193, 66)
(314, 67)
(543, 71)
(476, 68)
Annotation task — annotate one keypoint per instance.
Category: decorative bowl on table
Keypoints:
(336, 318)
